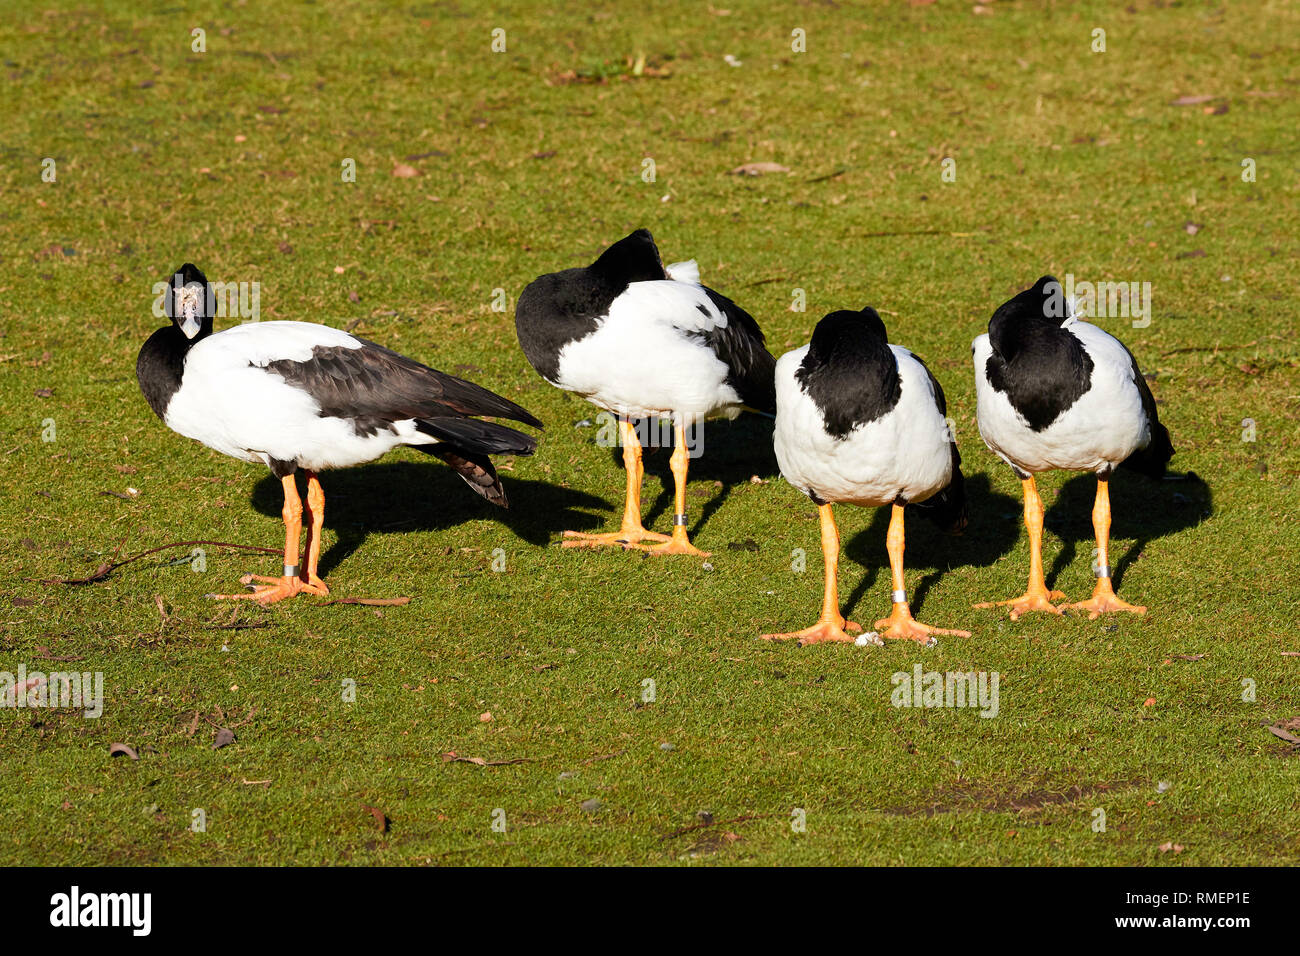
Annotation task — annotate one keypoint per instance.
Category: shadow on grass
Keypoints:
(398, 497)
(988, 536)
(732, 453)
(1141, 508)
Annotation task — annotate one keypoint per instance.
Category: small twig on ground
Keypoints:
(831, 175)
(162, 610)
(371, 602)
(453, 757)
(107, 568)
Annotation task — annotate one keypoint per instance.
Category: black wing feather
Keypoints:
(476, 469)
(374, 387)
(485, 438)
(1152, 459)
(741, 346)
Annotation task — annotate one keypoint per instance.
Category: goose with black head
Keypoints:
(297, 395)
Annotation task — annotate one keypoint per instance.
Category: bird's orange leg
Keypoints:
(315, 512)
(277, 589)
(831, 626)
(900, 624)
(1103, 599)
(632, 530)
(1036, 597)
(679, 543)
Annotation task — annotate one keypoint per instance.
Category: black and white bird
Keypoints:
(1055, 392)
(863, 422)
(645, 341)
(296, 395)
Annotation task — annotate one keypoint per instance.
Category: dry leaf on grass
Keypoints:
(116, 750)
(404, 171)
(453, 757)
(381, 818)
(20, 691)
(1282, 729)
(758, 169)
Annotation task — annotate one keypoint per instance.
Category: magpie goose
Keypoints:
(296, 395)
(1055, 392)
(864, 422)
(642, 340)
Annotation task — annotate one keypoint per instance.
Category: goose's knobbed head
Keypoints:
(190, 302)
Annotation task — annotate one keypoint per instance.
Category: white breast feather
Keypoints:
(1100, 430)
(648, 357)
(688, 271)
(230, 402)
(906, 452)
(263, 342)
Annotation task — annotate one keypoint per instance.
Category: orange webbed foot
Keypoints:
(901, 626)
(1104, 601)
(678, 543)
(623, 538)
(821, 632)
(676, 546)
(275, 589)
(1031, 600)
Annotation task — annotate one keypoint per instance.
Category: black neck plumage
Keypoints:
(160, 366)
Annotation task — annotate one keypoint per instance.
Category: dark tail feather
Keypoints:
(947, 509)
(476, 469)
(1151, 461)
(482, 438)
(470, 398)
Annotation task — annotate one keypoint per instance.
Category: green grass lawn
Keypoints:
(532, 160)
